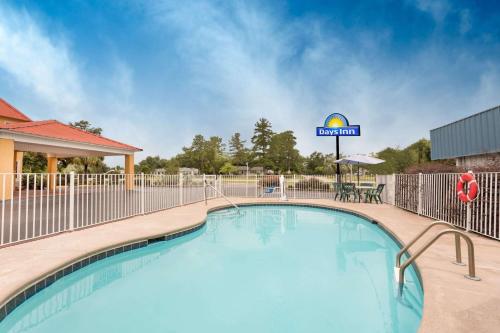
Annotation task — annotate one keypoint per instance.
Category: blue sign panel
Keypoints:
(336, 124)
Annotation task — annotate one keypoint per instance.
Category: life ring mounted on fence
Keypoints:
(472, 187)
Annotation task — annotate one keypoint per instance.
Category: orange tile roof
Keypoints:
(56, 130)
(8, 111)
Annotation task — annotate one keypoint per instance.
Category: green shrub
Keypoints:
(312, 184)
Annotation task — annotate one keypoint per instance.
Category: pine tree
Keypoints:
(283, 154)
(237, 151)
(261, 140)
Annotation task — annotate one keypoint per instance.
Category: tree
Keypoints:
(398, 160)
(215, 153)
(283, 154)
(150, 164)
(261, 140)
(172, 166)
(228, 169)
(87, 127)
(237, 151)
(93, 164)
(319, 164)
(204, 155)
(420, 150)
(34, 162)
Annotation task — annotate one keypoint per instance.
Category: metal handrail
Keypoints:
(470, 250)
(458, 251)
(222, 195)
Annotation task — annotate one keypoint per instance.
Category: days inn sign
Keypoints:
(337, 124)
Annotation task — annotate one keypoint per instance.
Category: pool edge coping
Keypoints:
(42, 281)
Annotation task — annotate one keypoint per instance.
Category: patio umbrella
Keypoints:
(359, 159)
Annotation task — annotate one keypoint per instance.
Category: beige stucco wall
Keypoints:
(6, 168)
(6, 120)
(129, 171)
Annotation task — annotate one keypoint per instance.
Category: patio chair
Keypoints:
(349, 189)
(337, 188)
(375, 194)
(271, 190)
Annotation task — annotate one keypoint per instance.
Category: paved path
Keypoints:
(451, 303)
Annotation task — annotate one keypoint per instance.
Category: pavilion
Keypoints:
(19, 133)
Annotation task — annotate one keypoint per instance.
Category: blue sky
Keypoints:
(154, 73)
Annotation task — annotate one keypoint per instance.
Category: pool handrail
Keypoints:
(222, 195)
(470, 249)
(458, 251)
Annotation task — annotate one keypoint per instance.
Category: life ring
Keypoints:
(472, 188)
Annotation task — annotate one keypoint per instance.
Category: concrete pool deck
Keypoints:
(451, 302)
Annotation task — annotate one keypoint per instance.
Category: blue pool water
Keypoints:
(267, 269)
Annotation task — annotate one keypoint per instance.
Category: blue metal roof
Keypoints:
(474, 135)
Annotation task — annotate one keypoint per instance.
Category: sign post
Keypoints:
(337, 157)
(337, 125)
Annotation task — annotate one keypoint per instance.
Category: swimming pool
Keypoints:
(276, 268)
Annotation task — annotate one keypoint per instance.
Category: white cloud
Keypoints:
(438, 9)
(50, 81)
(238, 61)
(39, 63)
(252, 63)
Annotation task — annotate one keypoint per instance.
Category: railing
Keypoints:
(400, 270)
(434, 195)
(458, 252)
(207, 185)
(37, 205)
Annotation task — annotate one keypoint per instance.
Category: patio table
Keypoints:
(364, 189)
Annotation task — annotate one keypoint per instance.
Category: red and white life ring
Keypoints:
(472, 188)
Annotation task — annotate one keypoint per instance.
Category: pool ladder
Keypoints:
(399, 270)
(222, 195)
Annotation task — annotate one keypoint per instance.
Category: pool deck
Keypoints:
(451, 302)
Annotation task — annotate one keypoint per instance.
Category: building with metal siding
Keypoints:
(473, 141)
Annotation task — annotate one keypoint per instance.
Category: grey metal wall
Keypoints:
(474, 135)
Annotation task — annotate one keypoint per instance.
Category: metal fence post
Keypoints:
(256, 185)
(282, 188)
(71, 201)
(220, 186)
(419, 205)
(294, 187)
(205, 188)
(181, 190)
(246, 183)
(468, 218)
(142, 194)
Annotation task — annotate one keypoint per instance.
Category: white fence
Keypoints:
(37, 205)
(434, 195)
(295, 186)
